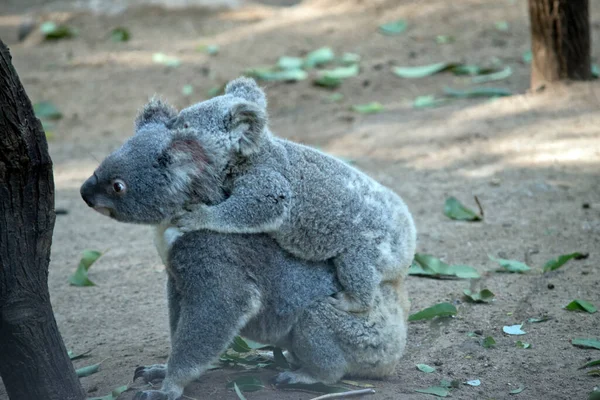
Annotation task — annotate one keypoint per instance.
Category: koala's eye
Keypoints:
(186, 125)
(119, 186)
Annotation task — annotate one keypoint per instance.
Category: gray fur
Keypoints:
(221, 285)
(314, 205)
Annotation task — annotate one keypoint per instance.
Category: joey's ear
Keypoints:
(155, 112)
(246, 123)
(247, 89)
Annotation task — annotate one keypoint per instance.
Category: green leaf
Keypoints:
(594, 395)
(318, 57)
(444, 39)
(511, 265)
(313, 387)
(120, 34)
(470, 69)
(422, 71)
(357, 384)
(113, 395)
(290, 62)
(427, 265)
(164, 59)
(474, 382)
(246, 384)
(73, 356)
(502, 26)
(239, 345)
(274, 75)
(425, 368)
(538, 320)
(393, 28)
(87, 371)
(369, 108)
(523, 345)
(428, 101)
(434, 390)
(590, 364)
(581, 305)
(211, 49)
(586, 343)
(46, 110)
(527, 57)
(513, 330)
(335, 97)
(53, 31)
(561, 260)
(350, 58)
(488, 342)
(595, 71)
(477, 92)
(438, 310)
(483, 296)
(454, 209)
(517, 391)
(257, 346)
(496, 76)
(238, 391)
(593, 372)
(334, 77)
(80, 277)
(187, 90)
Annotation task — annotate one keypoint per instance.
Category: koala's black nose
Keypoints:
(87, 190)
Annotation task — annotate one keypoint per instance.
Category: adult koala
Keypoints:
(221, 285)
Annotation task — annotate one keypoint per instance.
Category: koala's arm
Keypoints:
(259, 202)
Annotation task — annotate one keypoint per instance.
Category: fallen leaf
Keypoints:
(488, 342)
(80, 277)
(393, 28)
(246, 384)
(334, 77)
(434, 390)
(425, 368)
(586, 343)
(238, 391)
(290, 62)
(368, 108)
(581, 305)
(164, 59)
(210, 49)
(590, 364)
(444, 39)
(87, 371)
(517, 391)
(46, 110)
(438, 310)
(53, 31)
(475, 382)
(357, 384)
(428, 101)
(335, 97)
(513, 330)
(477, 92)
(471, 69)
(272, 74)
(483, 296)
(538, 320)
(496, 76)
(422, 71)
(120, 34)
(318, 57)
(313, 387)
(187, 90)
(527, 57)
(350, 58)
(594, 395)
(593, 372)
(502, 26)
(454, 209)
(73, 356)
(595, 71)
(523, 345)
(511, 265)
(560, 261)
(427, 265)
(113, 395)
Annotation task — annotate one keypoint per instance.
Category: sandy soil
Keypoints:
(532, 159)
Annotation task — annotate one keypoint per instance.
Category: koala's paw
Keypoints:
(192, 219)
(344, 302)
(152, 395)
(291, 377)
(150, 373)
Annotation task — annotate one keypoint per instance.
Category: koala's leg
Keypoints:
(159, 371)
(357, 273)
(316, 351)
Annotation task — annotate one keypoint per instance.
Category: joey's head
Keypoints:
(230, 126)
(151, 177)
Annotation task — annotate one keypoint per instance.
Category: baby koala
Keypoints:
(315, 206)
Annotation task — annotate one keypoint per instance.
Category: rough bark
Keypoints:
(560, 41)
(34, 364)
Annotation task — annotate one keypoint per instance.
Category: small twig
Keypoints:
(479, 206)
(351, 393)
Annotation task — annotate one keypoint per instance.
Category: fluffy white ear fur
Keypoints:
(247, 124)
(247, 89)
(155, 112)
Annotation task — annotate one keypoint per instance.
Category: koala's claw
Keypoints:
(347, 303)
(151, 395)
(151, 372)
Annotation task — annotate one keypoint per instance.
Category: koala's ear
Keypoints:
(155, 112)
(185, 154)
(247, 89)
(246, 123)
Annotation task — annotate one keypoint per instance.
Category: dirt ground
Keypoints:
(532, 159)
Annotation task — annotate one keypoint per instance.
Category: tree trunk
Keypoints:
(34, 364)
(560, 41)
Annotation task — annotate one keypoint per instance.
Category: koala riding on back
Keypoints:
(315, 206)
